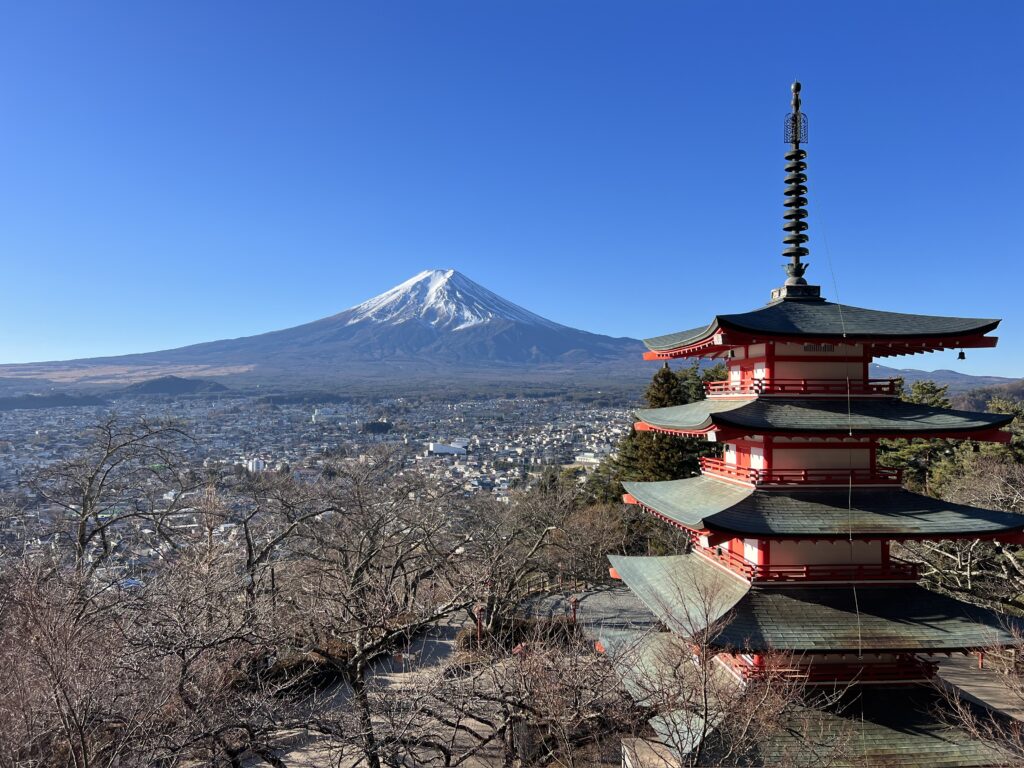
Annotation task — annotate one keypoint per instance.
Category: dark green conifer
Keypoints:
(666, 389)
(648, 456)
(918, 457)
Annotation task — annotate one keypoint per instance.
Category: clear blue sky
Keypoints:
(175, 172)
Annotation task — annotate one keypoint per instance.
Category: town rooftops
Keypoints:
(706, 503)
(690, 593)
(760, 416)
(820, 319)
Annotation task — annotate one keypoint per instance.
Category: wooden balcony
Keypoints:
(796, 477)
(802, 387)
(907, 669)
(894, 570)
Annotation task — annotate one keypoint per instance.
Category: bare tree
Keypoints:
(583, 540)
(704, 712)
(511, 545)
(72, 693)
(989, 572)
(540, 697)
(214, 657)
(126, 475)
(384, 565)
(268, 512)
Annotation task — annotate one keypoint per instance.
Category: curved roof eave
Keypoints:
(825, 416)
(823, 319)
(707, 503)
(689, 593)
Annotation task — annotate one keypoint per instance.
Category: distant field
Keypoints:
(72, 373)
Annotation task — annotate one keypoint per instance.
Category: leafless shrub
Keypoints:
(699, 707)
(73, 692)
(982, 571)
(129, 476)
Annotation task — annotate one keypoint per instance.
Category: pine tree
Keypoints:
(919, 457)
(969, 459)
(646, 456)
(666, 389)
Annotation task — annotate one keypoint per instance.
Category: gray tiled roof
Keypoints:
(881, 727)
(693, 501)
(705, 502)
(676, 588)
(867, 727)
(689, 593)
(767, 415)
(809, 319)
(866, 619)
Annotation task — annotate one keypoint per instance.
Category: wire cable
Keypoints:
(849, 428)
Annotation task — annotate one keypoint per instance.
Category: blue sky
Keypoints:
(175, 172)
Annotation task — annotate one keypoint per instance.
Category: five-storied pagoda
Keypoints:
(792, 528)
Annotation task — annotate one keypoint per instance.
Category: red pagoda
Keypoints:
(794, 523)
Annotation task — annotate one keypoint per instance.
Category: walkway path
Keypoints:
(601, 611)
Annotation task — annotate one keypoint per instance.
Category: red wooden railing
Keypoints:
(894, 570)
(907, 668)
(862, 476)
(802, 387)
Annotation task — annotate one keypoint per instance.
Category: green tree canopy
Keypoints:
(649, 456)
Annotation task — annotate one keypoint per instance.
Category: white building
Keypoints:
(443, 449)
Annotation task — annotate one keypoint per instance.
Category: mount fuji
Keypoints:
(444, 299)
(437, 325)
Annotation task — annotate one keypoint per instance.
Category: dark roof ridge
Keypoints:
(706, 502)
(811, 319)
(689, 593)
(798, 416)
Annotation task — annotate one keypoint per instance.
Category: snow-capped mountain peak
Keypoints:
(443, 299)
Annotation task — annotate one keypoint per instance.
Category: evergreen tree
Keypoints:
(666, 389)
(918, 457)
(968, 459)
(646, 456)
(1014, 450)
(934, 465)
(929, 393)
(693, 379)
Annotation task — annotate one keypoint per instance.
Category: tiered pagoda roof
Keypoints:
(689, 593)
(788, 416)
(800, 318)
(876, 727)
(708, 504)
(866, 727)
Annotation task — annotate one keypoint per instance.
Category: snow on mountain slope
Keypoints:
(438, 327)
(437, 324)
(443, 299)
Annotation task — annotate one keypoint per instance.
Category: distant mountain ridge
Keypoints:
(437, 318)
(438, 327)
(978, 399)
(956, 381)
(437, 324)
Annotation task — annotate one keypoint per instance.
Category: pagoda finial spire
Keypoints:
(796, 178)
(794, 226)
